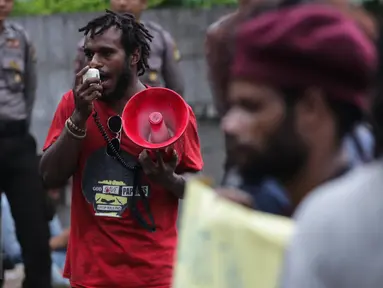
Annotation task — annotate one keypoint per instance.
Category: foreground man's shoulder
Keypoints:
(354, 182)
(335, 226)
(344, 194)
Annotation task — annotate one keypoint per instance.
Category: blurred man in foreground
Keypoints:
(164, 55)
(294, 97)
(338, 239)
(269, 196)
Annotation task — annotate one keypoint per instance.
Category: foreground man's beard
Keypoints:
(284, 156)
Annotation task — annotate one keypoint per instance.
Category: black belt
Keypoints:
(13, 128)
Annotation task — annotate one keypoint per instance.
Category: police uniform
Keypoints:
(19, 177)
(163, 60)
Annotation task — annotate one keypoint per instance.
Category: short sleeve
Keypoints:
(171, 69)
(191, 157)
(63, 112)
(30, 75)
(171, 47)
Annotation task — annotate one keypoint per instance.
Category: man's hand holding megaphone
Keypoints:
(156, 119)
(161, 170)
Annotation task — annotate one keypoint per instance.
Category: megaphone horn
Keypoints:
(155, 118)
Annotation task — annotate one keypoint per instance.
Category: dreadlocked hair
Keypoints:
(134, 34)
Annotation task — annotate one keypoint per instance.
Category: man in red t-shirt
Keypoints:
(111, 243)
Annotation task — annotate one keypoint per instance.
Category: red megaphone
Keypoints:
(155, 118)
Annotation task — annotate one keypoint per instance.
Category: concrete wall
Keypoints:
(55, 38)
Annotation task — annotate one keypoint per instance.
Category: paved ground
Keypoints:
(213, 154)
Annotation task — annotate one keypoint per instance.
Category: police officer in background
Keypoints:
(164, 55)
(19, 176)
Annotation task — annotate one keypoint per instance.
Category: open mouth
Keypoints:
(104, 77)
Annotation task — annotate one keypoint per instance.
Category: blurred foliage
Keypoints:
(47, 7)
(200, 3)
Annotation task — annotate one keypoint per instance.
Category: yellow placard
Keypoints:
(224, 245)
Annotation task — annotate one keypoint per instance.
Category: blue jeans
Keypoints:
(12, 247)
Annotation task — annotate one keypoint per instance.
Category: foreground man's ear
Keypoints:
(135, 57)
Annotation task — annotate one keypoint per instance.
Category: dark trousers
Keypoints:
(19, 179)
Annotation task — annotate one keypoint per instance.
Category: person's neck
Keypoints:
(119, 105)
(321, 166)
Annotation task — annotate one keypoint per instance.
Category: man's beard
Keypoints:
(122, 84)
(284, 156)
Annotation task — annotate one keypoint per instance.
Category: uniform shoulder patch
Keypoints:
(176, 52)
(168, 40)
(153, 76)
(24, 37)
(21, 31)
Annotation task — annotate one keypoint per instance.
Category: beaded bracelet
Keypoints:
(68, 126)
(75, 127)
